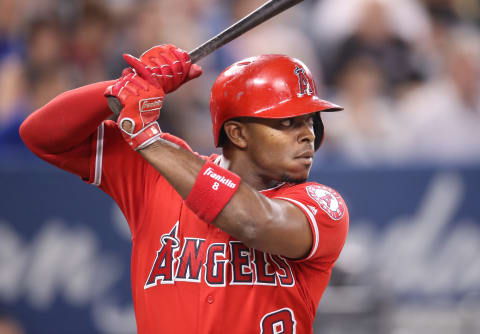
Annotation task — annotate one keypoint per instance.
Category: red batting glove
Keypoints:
(165, 65)
(141, 102)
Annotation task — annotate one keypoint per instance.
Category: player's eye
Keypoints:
(286, 122)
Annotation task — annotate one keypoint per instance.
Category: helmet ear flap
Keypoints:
(318, 130)
(222, 137)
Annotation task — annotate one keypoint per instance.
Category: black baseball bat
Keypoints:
(258, 16)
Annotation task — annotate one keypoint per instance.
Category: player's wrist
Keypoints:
(213, 189)
(143, 138)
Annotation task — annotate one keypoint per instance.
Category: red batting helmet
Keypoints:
(267, 86)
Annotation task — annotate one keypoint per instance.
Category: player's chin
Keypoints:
(302, 166)
(297, 174)
(294, 178)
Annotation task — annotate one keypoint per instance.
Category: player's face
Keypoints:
(282, 149)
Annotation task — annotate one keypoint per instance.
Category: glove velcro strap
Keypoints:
(145, 137)
(213, 189)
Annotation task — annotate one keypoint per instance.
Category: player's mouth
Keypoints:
(306, 157)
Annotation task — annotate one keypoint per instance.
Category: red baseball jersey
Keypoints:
(191, 277)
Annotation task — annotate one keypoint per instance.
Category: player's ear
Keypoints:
(235, 132)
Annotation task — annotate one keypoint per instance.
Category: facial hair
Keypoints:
(286, 178)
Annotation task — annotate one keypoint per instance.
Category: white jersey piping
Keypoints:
(99, 156)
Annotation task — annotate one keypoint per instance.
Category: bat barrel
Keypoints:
(258, 16)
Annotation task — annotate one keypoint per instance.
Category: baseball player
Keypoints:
(231, 243)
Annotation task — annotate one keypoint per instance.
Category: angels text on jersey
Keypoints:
(218, 264)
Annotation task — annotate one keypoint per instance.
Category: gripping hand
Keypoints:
(141, 103)
(165, 65)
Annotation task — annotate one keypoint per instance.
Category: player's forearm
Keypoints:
(247, 216)
(67, 120)
(179, 166)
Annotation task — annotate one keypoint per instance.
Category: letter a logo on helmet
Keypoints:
(267, 86)
(303, 83)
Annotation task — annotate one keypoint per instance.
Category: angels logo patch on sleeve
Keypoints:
(328, 200)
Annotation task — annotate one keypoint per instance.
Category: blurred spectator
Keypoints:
(169, 21)
(12, 51)
(443, 10)
(45, 46)
(89, 43)
(374, 37)
(11, 89)
(442, 117)
(11, 19)
(407, 19)
(361, 134)
(454, 11)
(13, 104)
(48, 72)
(8, 325)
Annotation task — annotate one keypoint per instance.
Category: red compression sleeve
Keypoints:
(67, 120)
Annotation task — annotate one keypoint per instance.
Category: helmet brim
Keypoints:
(293, 108)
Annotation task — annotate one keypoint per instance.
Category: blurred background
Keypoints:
(405, 154)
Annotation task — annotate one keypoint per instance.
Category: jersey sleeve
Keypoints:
(327, 214)
(122, 173)
(109, 152)
(119, 171)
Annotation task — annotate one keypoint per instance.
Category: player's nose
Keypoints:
(306, 132)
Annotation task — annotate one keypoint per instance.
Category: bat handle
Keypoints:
(114, 105)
